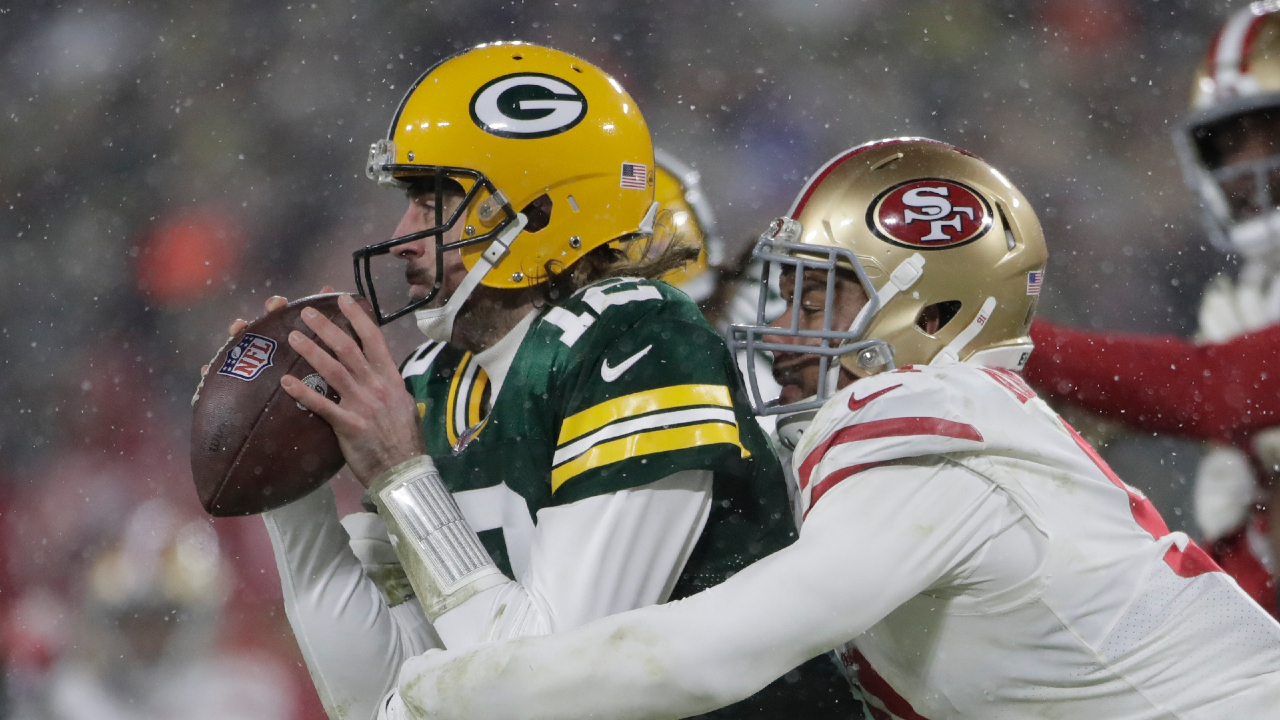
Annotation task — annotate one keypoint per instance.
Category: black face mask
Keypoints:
(494, 203)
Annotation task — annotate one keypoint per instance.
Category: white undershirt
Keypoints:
(589, 559)
(496, 360)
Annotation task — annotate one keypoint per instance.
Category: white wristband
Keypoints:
(443, 557)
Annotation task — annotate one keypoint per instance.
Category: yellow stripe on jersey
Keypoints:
(464, 407)
(667, 398)
(646, 443)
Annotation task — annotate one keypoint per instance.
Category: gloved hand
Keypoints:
(1225, 492)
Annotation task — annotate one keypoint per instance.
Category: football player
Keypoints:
(690, 221)
(146, 645)
(574, 440)
(966, 553)
(1225, 386)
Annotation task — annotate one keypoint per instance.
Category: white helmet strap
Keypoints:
(437, 323)
(952, 351)
(902, 278)
(646, 224)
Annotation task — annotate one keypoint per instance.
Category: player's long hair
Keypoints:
(657, 254)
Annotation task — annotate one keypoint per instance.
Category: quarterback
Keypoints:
(963, 551)
(572, 441)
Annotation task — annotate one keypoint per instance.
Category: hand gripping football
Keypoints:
(254, 448)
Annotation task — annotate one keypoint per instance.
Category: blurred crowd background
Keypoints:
(166, 166)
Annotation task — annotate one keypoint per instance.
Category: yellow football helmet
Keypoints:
(684, 208)
(552, 154)
(1238, 80)
(921, 224)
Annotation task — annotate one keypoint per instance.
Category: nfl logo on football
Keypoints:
(249, 357)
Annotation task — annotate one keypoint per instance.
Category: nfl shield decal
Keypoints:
(929, 213)
(248, 358)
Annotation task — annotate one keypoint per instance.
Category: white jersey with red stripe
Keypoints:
(967, 555)
(1046, 585)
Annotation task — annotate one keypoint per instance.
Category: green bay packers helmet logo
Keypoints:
(527, 105)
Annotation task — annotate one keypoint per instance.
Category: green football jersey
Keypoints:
(619, 386)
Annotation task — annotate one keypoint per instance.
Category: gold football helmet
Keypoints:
(684, 208)
(1236, 84)
(155, 595)
(921, 224)
(552, 154)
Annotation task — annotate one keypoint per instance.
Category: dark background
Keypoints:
(166, 166)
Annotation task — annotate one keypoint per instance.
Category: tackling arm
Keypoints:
(862, 553)
(1163, 383)
(601, 555)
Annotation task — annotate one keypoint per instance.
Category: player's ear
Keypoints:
(930, 320)
(936, 316)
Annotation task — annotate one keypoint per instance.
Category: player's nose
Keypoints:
(411, 222)
(411, 250)
(782, 322)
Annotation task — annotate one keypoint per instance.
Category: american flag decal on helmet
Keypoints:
(635, 176)
(1035, 279)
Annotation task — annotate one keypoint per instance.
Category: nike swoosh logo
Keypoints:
(613, 373)
(856, 405)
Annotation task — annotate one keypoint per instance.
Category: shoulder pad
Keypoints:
(911, 412)
(419, 361)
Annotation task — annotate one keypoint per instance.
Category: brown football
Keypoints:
(253, 448)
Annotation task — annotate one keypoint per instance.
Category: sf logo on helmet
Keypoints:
(929, 214)
(527, 105)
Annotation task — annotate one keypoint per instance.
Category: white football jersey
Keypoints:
(967, 555)
(1055, 590)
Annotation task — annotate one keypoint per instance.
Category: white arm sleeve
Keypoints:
(352, 642)
(593, 558)
(873, 542)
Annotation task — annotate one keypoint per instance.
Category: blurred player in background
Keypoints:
(966, 553)
(692, 222)
(1224, 386)
(726, 291)
(585, 421)
(146, 647)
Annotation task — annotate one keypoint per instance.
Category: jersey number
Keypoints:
(599, 297)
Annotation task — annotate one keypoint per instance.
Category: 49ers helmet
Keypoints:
(919, 223)
(552, 154)
(1238, 79)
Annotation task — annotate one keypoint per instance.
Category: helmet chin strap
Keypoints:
(951, 353)
(437, 323)
(1258, 238)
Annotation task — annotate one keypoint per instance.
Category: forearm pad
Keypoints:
(443, 557)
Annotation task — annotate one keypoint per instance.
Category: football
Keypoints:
(254, 448)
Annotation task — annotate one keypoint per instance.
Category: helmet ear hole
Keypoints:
(936, 316)
(538, 211)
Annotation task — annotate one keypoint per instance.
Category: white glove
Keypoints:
(1225, 492)
(1232, 308)
(372, 546)
(1266, 445)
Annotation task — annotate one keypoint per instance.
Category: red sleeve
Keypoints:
(1163, 383)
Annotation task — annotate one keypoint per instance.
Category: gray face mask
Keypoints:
(777, 250)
